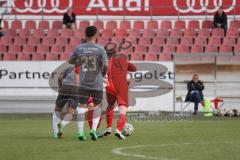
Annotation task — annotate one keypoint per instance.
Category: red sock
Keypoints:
(89, 118)
(121, 121)
(109, 116)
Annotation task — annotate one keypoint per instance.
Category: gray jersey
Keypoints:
(91, 58)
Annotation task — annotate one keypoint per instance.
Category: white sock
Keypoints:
(81, 118)
(66, 119)
(96, 117)
(56, 120)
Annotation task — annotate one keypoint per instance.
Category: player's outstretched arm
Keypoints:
(131, 67)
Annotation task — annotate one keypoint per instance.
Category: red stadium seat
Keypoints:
(25, 33)
(148, 33)
(20, 40)
(132, 39)
(154, 49)
(23, 57)
(70, 48)
(83, 25)
(7, 40)
(65, 56)
(145, 41)
(79, 33)
(197, 49)
(207, 24)
(204, 32)
(44, 25)
(226, 49)
(9, 57)
(170, 49)
(235, 24)
(43, 49)
(29, 49)
(176, 33)
(165, 57)
(159, 41)
(134, 33)
(15, 49)
(163, 33)
(16, 24)
(139, 49)
(190, 33)
(193, 24)
(30, 25)
(215, 41)
(138, 25)
(166, 25)
(67, 33)
(39, 33)
(180, 25)
(61, 41)
(103, 41)
(51, 57)
(121, 33)
(125, 25)
(3, 48)
(111, 25)
(238, 41)
(136, 57)
(48, 41)
(187, 41)
(218, 32)
(211, 49)
(173, 41)
(57, 49)
(232, 32)
(107, 33)
(57, 25)
(10, 32)
(152, 24)
(38, 57)
(202, 41)
(117, 40)
(74, 41)
(151, 57)
(229, 41)
(237, 50)
(34, 40)
(99, 24)
(182, 49)
(52, 33)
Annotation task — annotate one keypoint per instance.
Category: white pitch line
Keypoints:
(120, 150)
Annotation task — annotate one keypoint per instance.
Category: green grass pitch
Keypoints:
(207, 139)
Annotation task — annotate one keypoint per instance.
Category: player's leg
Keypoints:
(122, 100)
(97, 111)
(60, 103)
(121, 121)
(111, 100)
(81, 112)
(72, 106)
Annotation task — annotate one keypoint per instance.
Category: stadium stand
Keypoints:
(157, 38)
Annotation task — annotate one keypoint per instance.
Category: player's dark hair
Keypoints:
(110, 49)
(91, 31)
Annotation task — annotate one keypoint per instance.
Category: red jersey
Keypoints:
(118, 67)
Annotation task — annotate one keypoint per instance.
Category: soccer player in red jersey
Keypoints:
(117, 90)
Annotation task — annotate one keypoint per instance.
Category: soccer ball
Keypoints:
(128, 129)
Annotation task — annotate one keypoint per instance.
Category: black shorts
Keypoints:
(62, 100)
(84, 95)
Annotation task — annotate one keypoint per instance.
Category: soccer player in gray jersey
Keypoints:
(92, 61)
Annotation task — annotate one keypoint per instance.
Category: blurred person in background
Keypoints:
(220, 20)
(69, 19)
(195, 95)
